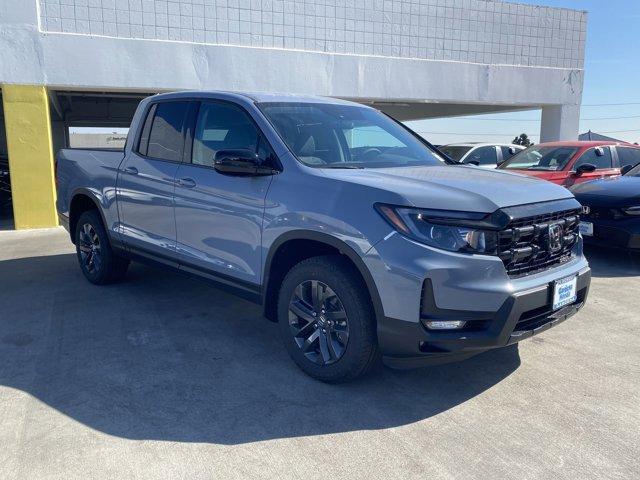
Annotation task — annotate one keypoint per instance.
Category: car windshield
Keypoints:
(456, 152)
(541, 158)
(344, 136)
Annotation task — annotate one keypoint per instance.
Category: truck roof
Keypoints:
(257, 97)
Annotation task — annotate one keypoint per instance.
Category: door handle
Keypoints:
(186, 182)
(131, 170)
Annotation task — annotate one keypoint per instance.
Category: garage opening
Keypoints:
(6, 211)
(92, 119)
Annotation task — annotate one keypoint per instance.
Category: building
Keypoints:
(97, 140)
(591, 136)
(69, 63)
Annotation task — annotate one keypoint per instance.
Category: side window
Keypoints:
(599, 156)
(222, 126)
(165, 138)
(483, 155)
(144, 137)
(628, 156)
(506, 152)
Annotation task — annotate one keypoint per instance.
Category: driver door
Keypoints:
(219, 217)
(601, 158)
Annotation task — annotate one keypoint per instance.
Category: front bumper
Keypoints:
(521, 316)
(500, 310)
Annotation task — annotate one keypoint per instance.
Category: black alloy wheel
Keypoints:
(90, 249)
(318, 322)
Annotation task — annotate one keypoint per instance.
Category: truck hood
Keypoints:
(461, 188)
(609, 192)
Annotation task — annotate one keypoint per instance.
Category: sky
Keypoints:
(612, 76)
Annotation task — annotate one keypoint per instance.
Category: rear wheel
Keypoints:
(98, 262)
(326, 319)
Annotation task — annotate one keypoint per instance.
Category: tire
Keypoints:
(97, 261)
(343, 310)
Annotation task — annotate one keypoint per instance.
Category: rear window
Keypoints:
(162, 132)
(541, 158)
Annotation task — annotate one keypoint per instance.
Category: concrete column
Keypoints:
(30, 148)
(59, 135)
(560, 122)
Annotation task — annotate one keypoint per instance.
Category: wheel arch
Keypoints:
(82, 200)
(297, 245)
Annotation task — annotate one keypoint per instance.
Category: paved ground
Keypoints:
(164, 377)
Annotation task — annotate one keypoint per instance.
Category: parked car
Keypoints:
(345, 225)
(568, 163)
(485, 155)
(611, 208)
(5, 182)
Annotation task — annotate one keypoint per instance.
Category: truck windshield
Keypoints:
(541, 158)
(344, 136)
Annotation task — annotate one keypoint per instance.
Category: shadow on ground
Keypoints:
(164, 357)
(611, 263)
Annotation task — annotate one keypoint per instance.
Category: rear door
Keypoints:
(601, 158)
(219, 217)
(146, 182)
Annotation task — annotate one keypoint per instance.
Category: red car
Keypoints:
(569, 163)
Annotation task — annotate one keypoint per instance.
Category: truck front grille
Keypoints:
(526, 247)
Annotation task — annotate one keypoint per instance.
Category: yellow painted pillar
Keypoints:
(30, 148)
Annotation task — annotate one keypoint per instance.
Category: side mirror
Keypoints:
(512, 150)
(241, 163)
(599, 152)
(626, 169)
(585, 168)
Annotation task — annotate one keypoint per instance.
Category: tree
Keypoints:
(523, 140)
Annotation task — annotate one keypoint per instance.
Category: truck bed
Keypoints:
(94, 170)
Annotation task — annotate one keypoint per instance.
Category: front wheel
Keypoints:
(326, 319)
(99, 264)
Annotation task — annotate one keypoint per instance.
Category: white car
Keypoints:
(485, 155)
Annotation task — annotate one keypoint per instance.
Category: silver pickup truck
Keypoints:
(353, 232)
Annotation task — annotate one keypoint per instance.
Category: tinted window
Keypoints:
(599, 156)
(144, 138)
(483, 156)
(628, 156)
(455, 152)
(508, 152)
(222, 126)
(346, 136)
(541, 158)
(165, 137)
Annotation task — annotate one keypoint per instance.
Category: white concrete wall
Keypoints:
(492, 32)
(96, 140)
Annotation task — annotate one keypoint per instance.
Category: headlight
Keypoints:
(632, 210)
(441, 229)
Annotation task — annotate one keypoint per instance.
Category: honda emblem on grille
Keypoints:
(586, 209)
(554, 239)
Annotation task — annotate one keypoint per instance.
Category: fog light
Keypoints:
(445, 324)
